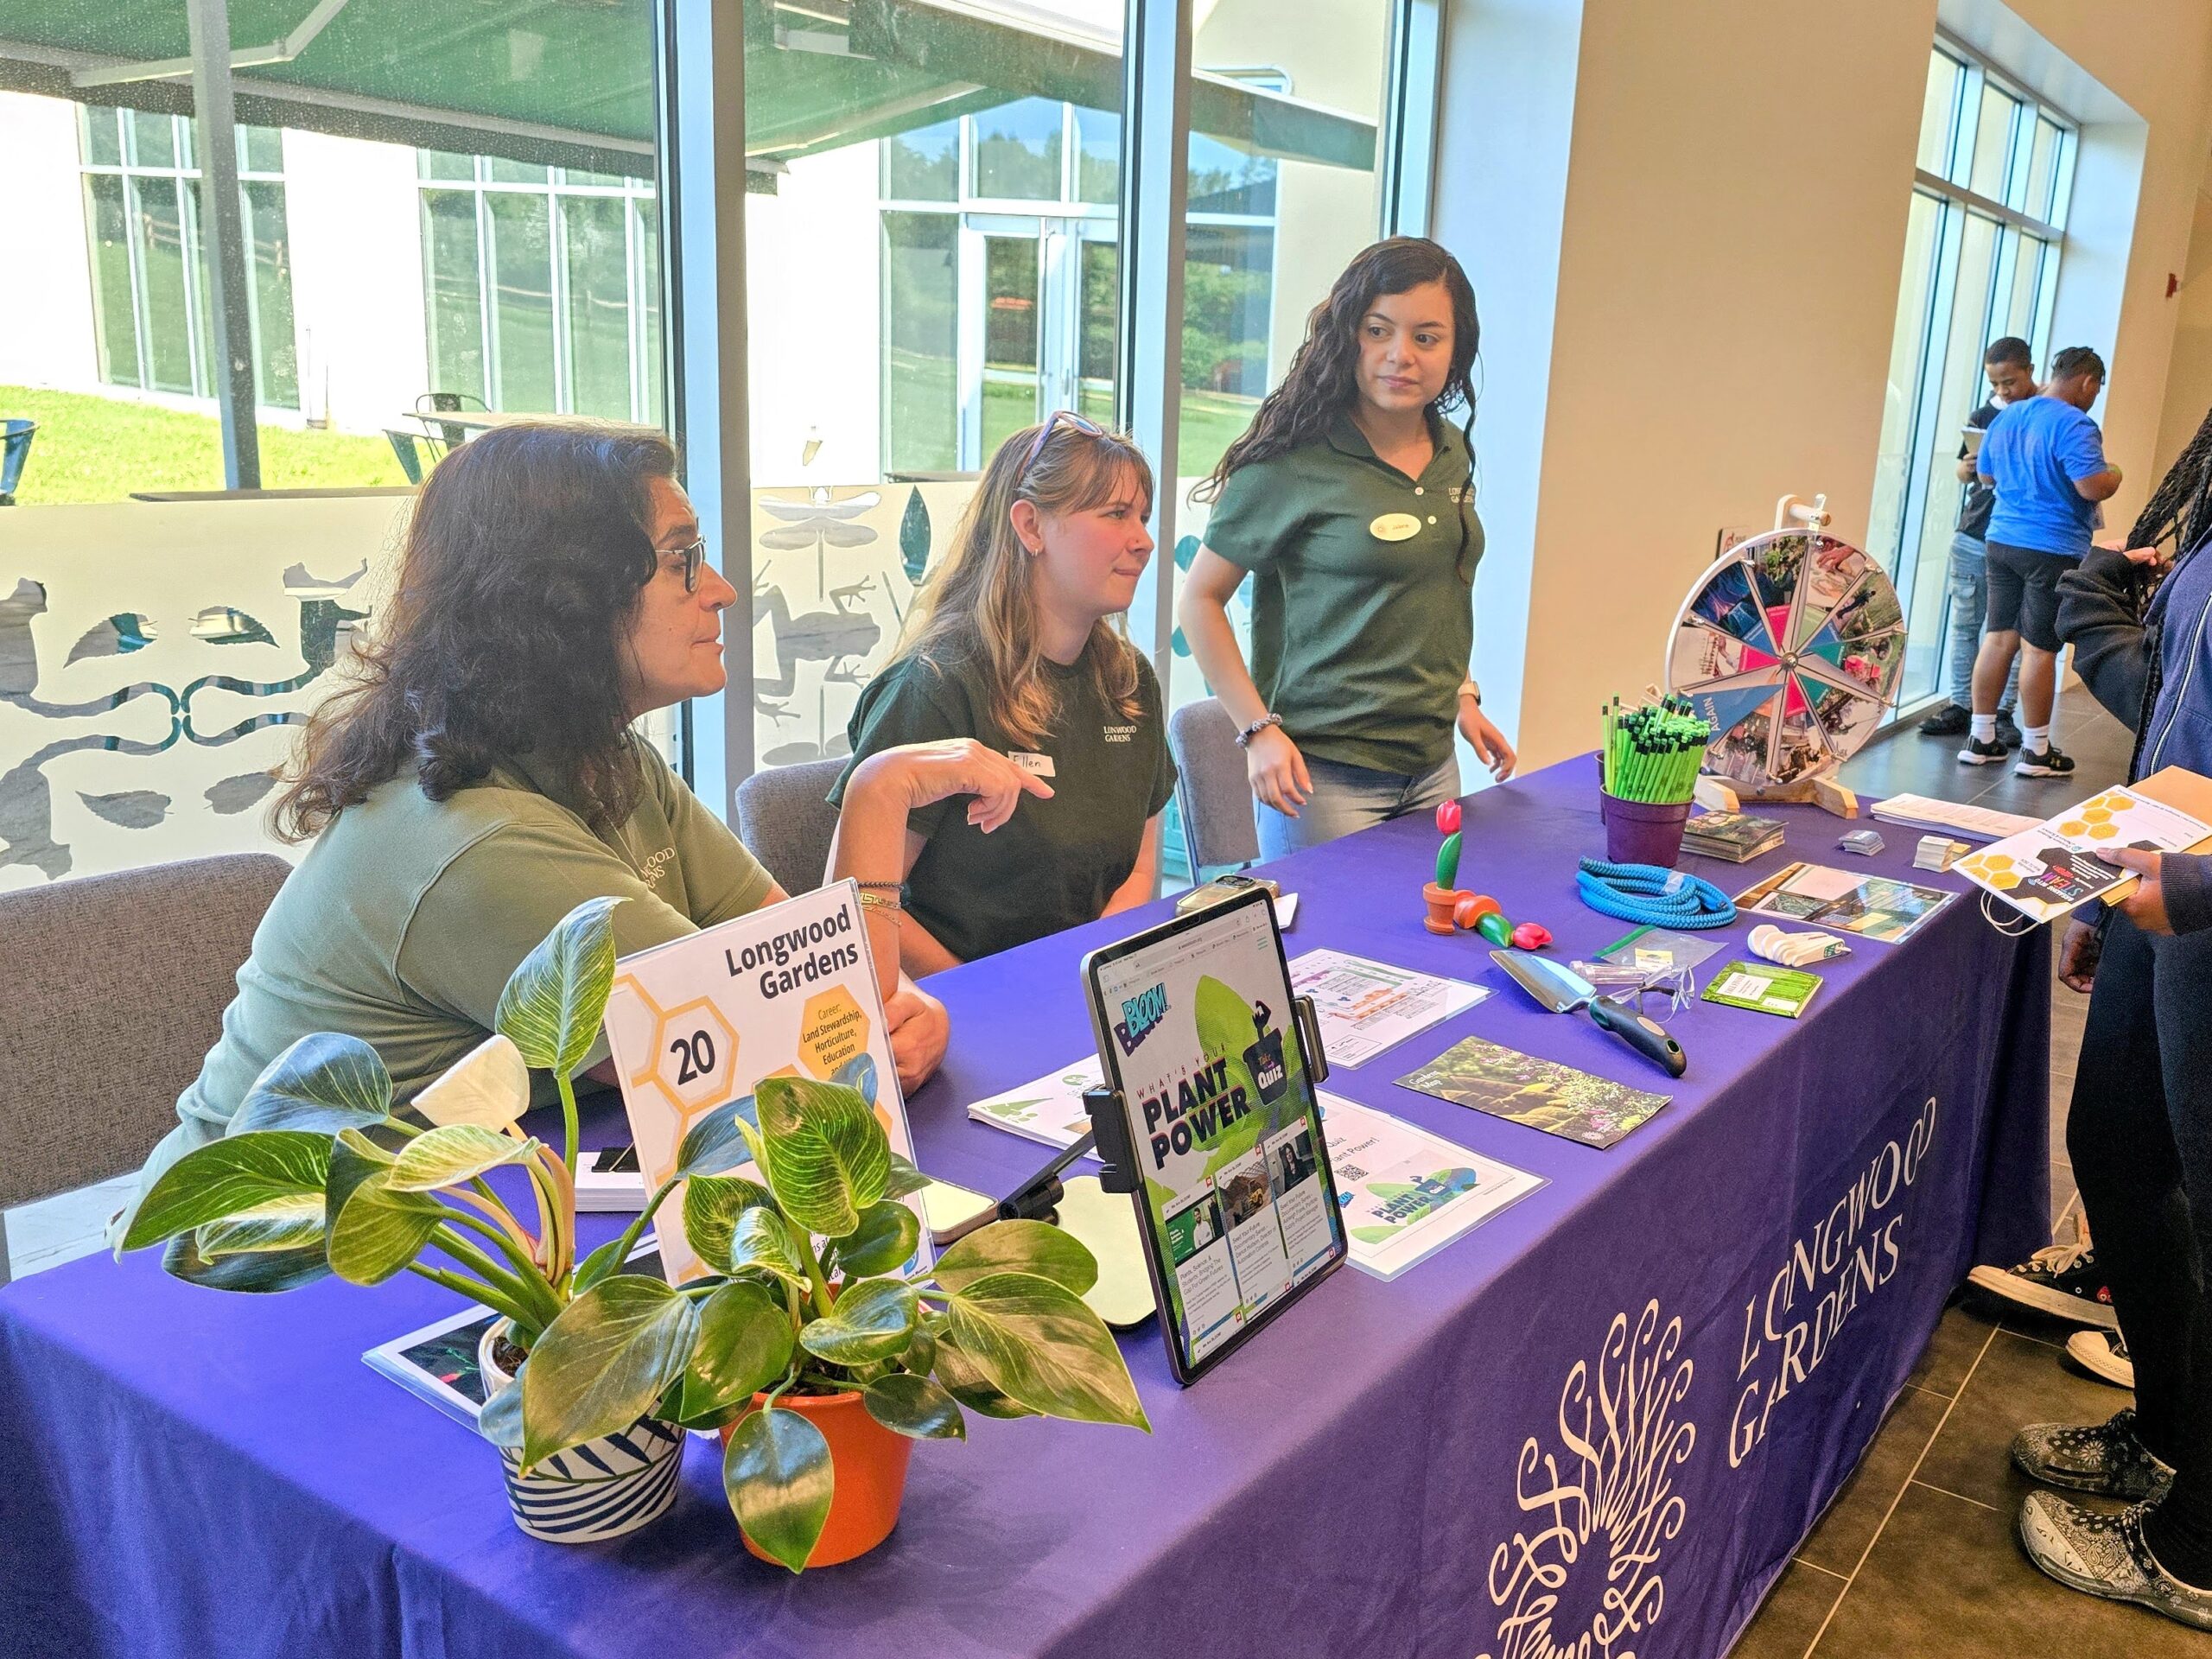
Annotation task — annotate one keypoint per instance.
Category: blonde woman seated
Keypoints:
(1015, 645)
(483, 778)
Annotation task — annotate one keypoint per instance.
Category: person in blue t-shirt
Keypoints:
(2046, 460)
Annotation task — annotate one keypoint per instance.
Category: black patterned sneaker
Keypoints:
(1979, 753)
(2105, 1459)
(2103, 1356)
(2105, 1555)
(1949, 721)
(2048, 763)
(2060, 1280)
(2008, 730)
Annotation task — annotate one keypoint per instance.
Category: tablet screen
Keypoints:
(1196, 1027)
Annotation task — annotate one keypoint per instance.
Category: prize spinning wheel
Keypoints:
(1791, 644)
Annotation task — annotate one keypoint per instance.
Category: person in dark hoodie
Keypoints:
(2140, 1130)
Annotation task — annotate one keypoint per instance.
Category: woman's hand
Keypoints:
(918, 1028)
(1487, 742)
(2077, 956)
(924, 772)
(2146, 906)
(1277, 770)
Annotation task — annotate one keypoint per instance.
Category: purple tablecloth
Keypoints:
(1615, 1408)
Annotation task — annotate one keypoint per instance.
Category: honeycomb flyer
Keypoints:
(788, 991)
(2049, 870)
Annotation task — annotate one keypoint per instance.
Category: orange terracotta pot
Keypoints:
(869, 1466)
(1440, 901)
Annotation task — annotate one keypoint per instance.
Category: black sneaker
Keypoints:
(1979, 753)
(2105, 1555)
(2008, 733)
(1949, 721)
(2060, 1280)
(2048, 764)
(2105, 1459)
(2104, 1355)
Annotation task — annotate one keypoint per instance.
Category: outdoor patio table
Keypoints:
(1618, 1406)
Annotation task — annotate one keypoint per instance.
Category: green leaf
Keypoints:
(745, 1344)
(915, 1406)
(551, 1008)
(321, 1083)
(500, 1420)
(826, 1156)
(714, 1143)
(873, 1319)
(777, 1472)
(967, 1382)
(599, 1366)
(1035, 1246)
(760, 1242)
(457, 1153)
(287, 1224)
(489, 1086)
(1038, 1343)
(227, 1176)
(262, 1273)
(374, 1231)
(920, 1357)
(905, 1179)
(712, 1204)
(886, 1237)
(597, 1266)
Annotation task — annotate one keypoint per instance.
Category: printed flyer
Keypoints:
(1224, 1123)
(2048, 870)
(788, 991)
(1408, 1193)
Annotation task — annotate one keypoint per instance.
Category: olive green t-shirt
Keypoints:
(403, 921)
(1055, 862)
(1359, 639)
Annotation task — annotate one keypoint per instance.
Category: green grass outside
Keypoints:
(95, 448)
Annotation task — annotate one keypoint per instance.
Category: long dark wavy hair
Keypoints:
(519, 576)
(1321, 381)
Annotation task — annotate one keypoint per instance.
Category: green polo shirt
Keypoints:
(403, 921)
(1359, 641)
(1055, 862)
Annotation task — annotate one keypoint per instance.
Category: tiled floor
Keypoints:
(1916, 1554)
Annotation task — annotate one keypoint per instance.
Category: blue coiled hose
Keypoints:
(1653, 895)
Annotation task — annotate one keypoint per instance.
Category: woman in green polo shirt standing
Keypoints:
(480, 779)
(1014, 644)
(1349, 502)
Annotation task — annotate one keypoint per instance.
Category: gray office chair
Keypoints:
(1211, 792)
(783, 817)
(118, 994)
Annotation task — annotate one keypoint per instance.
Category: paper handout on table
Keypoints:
(1408, 1193)
(1976, 823)
(2047, 870)
(1050, 1110)
(1873, 907)
(789, 991)
(1366, 1007)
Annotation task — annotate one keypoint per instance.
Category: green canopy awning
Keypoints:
(572, 84)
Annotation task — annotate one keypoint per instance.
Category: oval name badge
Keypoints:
(1395, 527)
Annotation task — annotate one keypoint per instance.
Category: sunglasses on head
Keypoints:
(1088, 429)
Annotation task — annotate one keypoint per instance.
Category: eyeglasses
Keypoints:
(693, 557)
(1088, 429)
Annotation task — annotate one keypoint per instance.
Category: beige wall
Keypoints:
(1730, 246)
(2189, 372)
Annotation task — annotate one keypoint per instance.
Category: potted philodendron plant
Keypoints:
(808, 1344)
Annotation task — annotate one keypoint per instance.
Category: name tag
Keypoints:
(1395, 527)
(1037, 766)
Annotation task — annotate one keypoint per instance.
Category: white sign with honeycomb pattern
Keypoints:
(788, 991)
(2047, 871)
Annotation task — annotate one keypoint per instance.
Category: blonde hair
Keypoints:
(980, 602)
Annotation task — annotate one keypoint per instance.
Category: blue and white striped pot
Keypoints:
(603, 1489)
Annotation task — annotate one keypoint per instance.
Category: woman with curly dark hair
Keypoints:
(1351, 503)
(481, 778)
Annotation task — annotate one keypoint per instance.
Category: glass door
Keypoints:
(1001, 332)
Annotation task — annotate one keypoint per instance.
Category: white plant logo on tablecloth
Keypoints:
(1584, 1580)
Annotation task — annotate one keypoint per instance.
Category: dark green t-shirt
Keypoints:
(1363, 613)
(1054, 863)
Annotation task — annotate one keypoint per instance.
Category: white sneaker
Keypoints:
(2103, 1355)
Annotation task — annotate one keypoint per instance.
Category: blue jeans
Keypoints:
(1969, 586)
(1346, 798)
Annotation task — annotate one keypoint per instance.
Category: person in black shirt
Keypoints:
(2011, 370)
